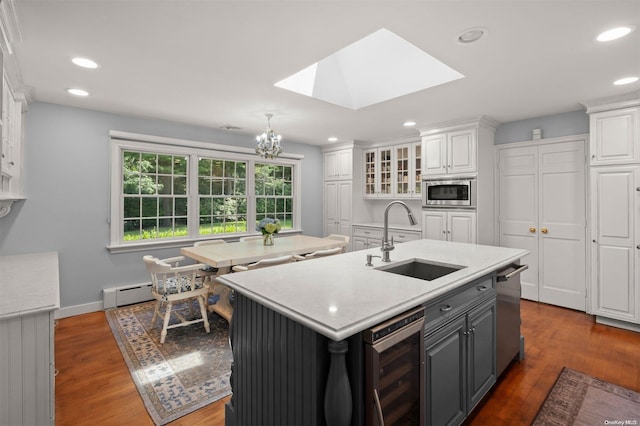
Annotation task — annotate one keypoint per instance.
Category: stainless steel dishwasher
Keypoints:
(509, 340)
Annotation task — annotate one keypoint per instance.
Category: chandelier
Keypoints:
(269, 141)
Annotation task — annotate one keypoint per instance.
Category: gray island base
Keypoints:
(297, 334)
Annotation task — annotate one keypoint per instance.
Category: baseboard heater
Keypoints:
(126, 295)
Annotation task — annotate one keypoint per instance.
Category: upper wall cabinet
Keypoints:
(378, 172)
(614, 136)
(338, 165)
(393, 171)
(450, 153)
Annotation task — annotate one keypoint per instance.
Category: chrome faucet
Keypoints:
(387, 245)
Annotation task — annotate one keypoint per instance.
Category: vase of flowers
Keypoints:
(268, 226)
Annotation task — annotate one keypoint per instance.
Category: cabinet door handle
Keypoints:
(481, 288)
(532, 230)
(446, 308)
(638, 189)
(378, 407)
(638, 246)
(544, 230)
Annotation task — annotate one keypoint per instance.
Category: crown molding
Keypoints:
(612, 102)
(447, 126)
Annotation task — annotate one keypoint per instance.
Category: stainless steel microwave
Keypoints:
(460, 193)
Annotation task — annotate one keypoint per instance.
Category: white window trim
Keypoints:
(121, 141)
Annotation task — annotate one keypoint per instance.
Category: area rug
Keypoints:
(578, 399)
(190, 370)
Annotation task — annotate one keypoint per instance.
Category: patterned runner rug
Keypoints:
(578, 399)
(190, 370)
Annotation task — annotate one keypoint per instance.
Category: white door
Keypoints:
(562, 221)
(461, 153)
(461, 227)
(615, 207)
(345, 196)
(435, 148)
(434, 225)
(542, 210)
(518, 210)
(331, 208)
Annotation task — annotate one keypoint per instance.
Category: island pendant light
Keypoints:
(269, 141)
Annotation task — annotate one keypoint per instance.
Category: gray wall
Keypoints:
(67, 186)
(565, 124)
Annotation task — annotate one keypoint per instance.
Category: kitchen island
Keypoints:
(297, 328)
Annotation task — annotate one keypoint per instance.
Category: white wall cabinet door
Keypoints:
(461, 152)
(338, 164)
(615, 137)
(542, 209)
(408, 169)
(338, 212)
(378, 166)
(456, 226)
(615, 274)
(450, 153)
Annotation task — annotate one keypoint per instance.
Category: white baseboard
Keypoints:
(71, 311)
(617, 323)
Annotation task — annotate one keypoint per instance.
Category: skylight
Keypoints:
(379, 67)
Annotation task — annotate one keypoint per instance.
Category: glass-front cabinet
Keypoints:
(378, 173)
(408, 170)
(393, 171)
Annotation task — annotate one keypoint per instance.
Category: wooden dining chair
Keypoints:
(264, 263)
(172, 283)
(251, 237)
(219, 298)
(320, 253)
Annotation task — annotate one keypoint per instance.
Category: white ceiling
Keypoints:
(215, 63)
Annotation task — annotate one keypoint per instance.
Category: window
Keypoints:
(166, 191)
(154, 191)
(222, 191)
(274, 193)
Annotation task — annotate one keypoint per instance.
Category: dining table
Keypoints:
(225, 256)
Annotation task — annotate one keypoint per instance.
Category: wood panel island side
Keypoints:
(298, 333)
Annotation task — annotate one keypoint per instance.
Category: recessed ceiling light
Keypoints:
(78, 92)
(615, 33)
(409, 123)
(472, 35)
(626, 80)
(332, 139)
(84, 63)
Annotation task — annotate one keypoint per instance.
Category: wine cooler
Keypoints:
(395, 374)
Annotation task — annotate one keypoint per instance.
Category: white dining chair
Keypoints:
(252, 237)
(172, 283)
(264, 263)
(320, 253)
(339, 237)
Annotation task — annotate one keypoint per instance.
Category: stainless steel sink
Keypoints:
(421, 269)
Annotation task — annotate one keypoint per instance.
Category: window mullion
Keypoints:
(193, 199)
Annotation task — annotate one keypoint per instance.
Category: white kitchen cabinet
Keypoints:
(11, 147)
(407, 159)
(370, 235)
(450, 153)
(615, 248)
(338, 164)
(338, 215)
(365, 237)
(453, 225)
(542, 209)
(378, 173)
(27, 356)
(615, 136)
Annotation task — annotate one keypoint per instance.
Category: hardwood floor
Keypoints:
(94, 387)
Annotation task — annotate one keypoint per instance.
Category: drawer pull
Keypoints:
(481, 287)
(446, 308)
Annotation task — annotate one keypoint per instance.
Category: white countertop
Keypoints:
(29, 283)
(338, 296)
